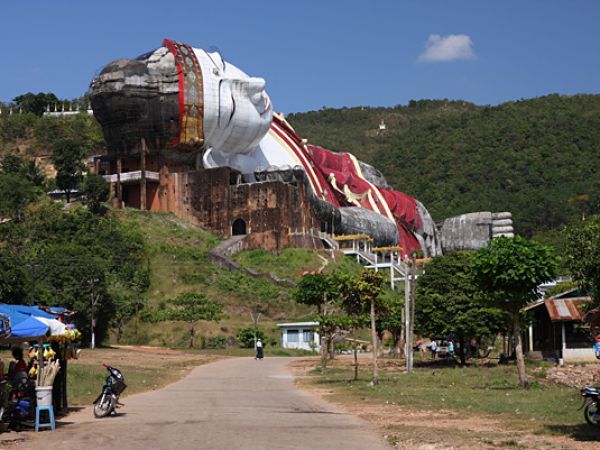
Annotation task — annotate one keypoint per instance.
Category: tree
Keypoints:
(190, 307)
(356, 315)
(13, 280)
(393, 321)
(36, 103)
(322, 291)
(449, 302)
(367, 288)
(67, 155)
(246, 336)
(123, 300)
(26, 168)
(16, 193)
(583, 255)
(95, 189)
(68, 275)
(512, 269)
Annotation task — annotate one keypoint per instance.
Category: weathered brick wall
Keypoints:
(211, 199)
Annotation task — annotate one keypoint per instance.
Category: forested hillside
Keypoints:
(538, 158)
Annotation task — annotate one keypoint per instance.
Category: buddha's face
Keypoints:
(184, 96)
(237, 110)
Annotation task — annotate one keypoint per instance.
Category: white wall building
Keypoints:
(301, 335)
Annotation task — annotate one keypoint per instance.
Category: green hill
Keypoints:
(537, 158)
(178, 254)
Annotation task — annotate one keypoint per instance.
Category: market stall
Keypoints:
(52, 344)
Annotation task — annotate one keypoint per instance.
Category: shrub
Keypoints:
(245, 336)
(216, 342)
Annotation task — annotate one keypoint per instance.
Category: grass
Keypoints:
(179, 263)
(178, 254)
(292, 262)
(84, 383)
(485, 391)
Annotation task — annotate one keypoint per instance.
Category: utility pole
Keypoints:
(255, 324)
(407, 317)
(413, 288)
(95, 300)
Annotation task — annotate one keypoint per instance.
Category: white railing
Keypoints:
(128, 177)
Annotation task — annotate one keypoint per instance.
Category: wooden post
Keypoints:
(143, 175)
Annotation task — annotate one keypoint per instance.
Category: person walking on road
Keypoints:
(433, 348)
(259, 350)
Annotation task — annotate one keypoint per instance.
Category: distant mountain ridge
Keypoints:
(538, 158)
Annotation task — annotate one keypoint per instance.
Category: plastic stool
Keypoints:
(49, 424)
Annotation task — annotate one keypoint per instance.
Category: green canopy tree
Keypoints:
(67, 156)
(449, 302)
(583, 255)
(16, 193)
(355, 313)
(36, 103)
(393, 321)
(95, 189)
(13, 279)
(512, 269)
(367, 288)
(247, 337)
(26, 168)
(321, 291)
(191, 307)
(67, 275)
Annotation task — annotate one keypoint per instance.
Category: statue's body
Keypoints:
(195, 102)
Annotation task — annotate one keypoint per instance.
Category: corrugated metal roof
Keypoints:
(567, 309)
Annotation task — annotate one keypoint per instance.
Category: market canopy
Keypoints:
(32, 323)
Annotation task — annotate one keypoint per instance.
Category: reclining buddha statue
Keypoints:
(195, 103)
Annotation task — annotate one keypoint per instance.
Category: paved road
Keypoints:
(231, 404)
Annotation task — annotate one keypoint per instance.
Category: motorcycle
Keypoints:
(18, 403)
(108, 400)
(591, 405)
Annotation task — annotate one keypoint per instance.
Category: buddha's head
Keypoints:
(181, 97)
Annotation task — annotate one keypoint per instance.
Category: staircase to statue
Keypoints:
(359, 246)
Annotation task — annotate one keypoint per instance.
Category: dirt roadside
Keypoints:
(407, 428)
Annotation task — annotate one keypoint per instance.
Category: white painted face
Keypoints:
(237, 110)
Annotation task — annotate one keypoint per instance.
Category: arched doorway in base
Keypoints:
(238, 227)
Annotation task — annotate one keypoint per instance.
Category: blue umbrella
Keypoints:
(29, 328)
(23, 326)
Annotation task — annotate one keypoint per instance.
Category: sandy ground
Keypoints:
(229, 404)
(406, 428)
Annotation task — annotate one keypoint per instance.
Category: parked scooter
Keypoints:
(108, 400)
(591, 405)
(18, 403)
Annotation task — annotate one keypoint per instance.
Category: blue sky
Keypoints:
(319, 53)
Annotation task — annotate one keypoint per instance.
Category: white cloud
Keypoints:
(453, 47)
